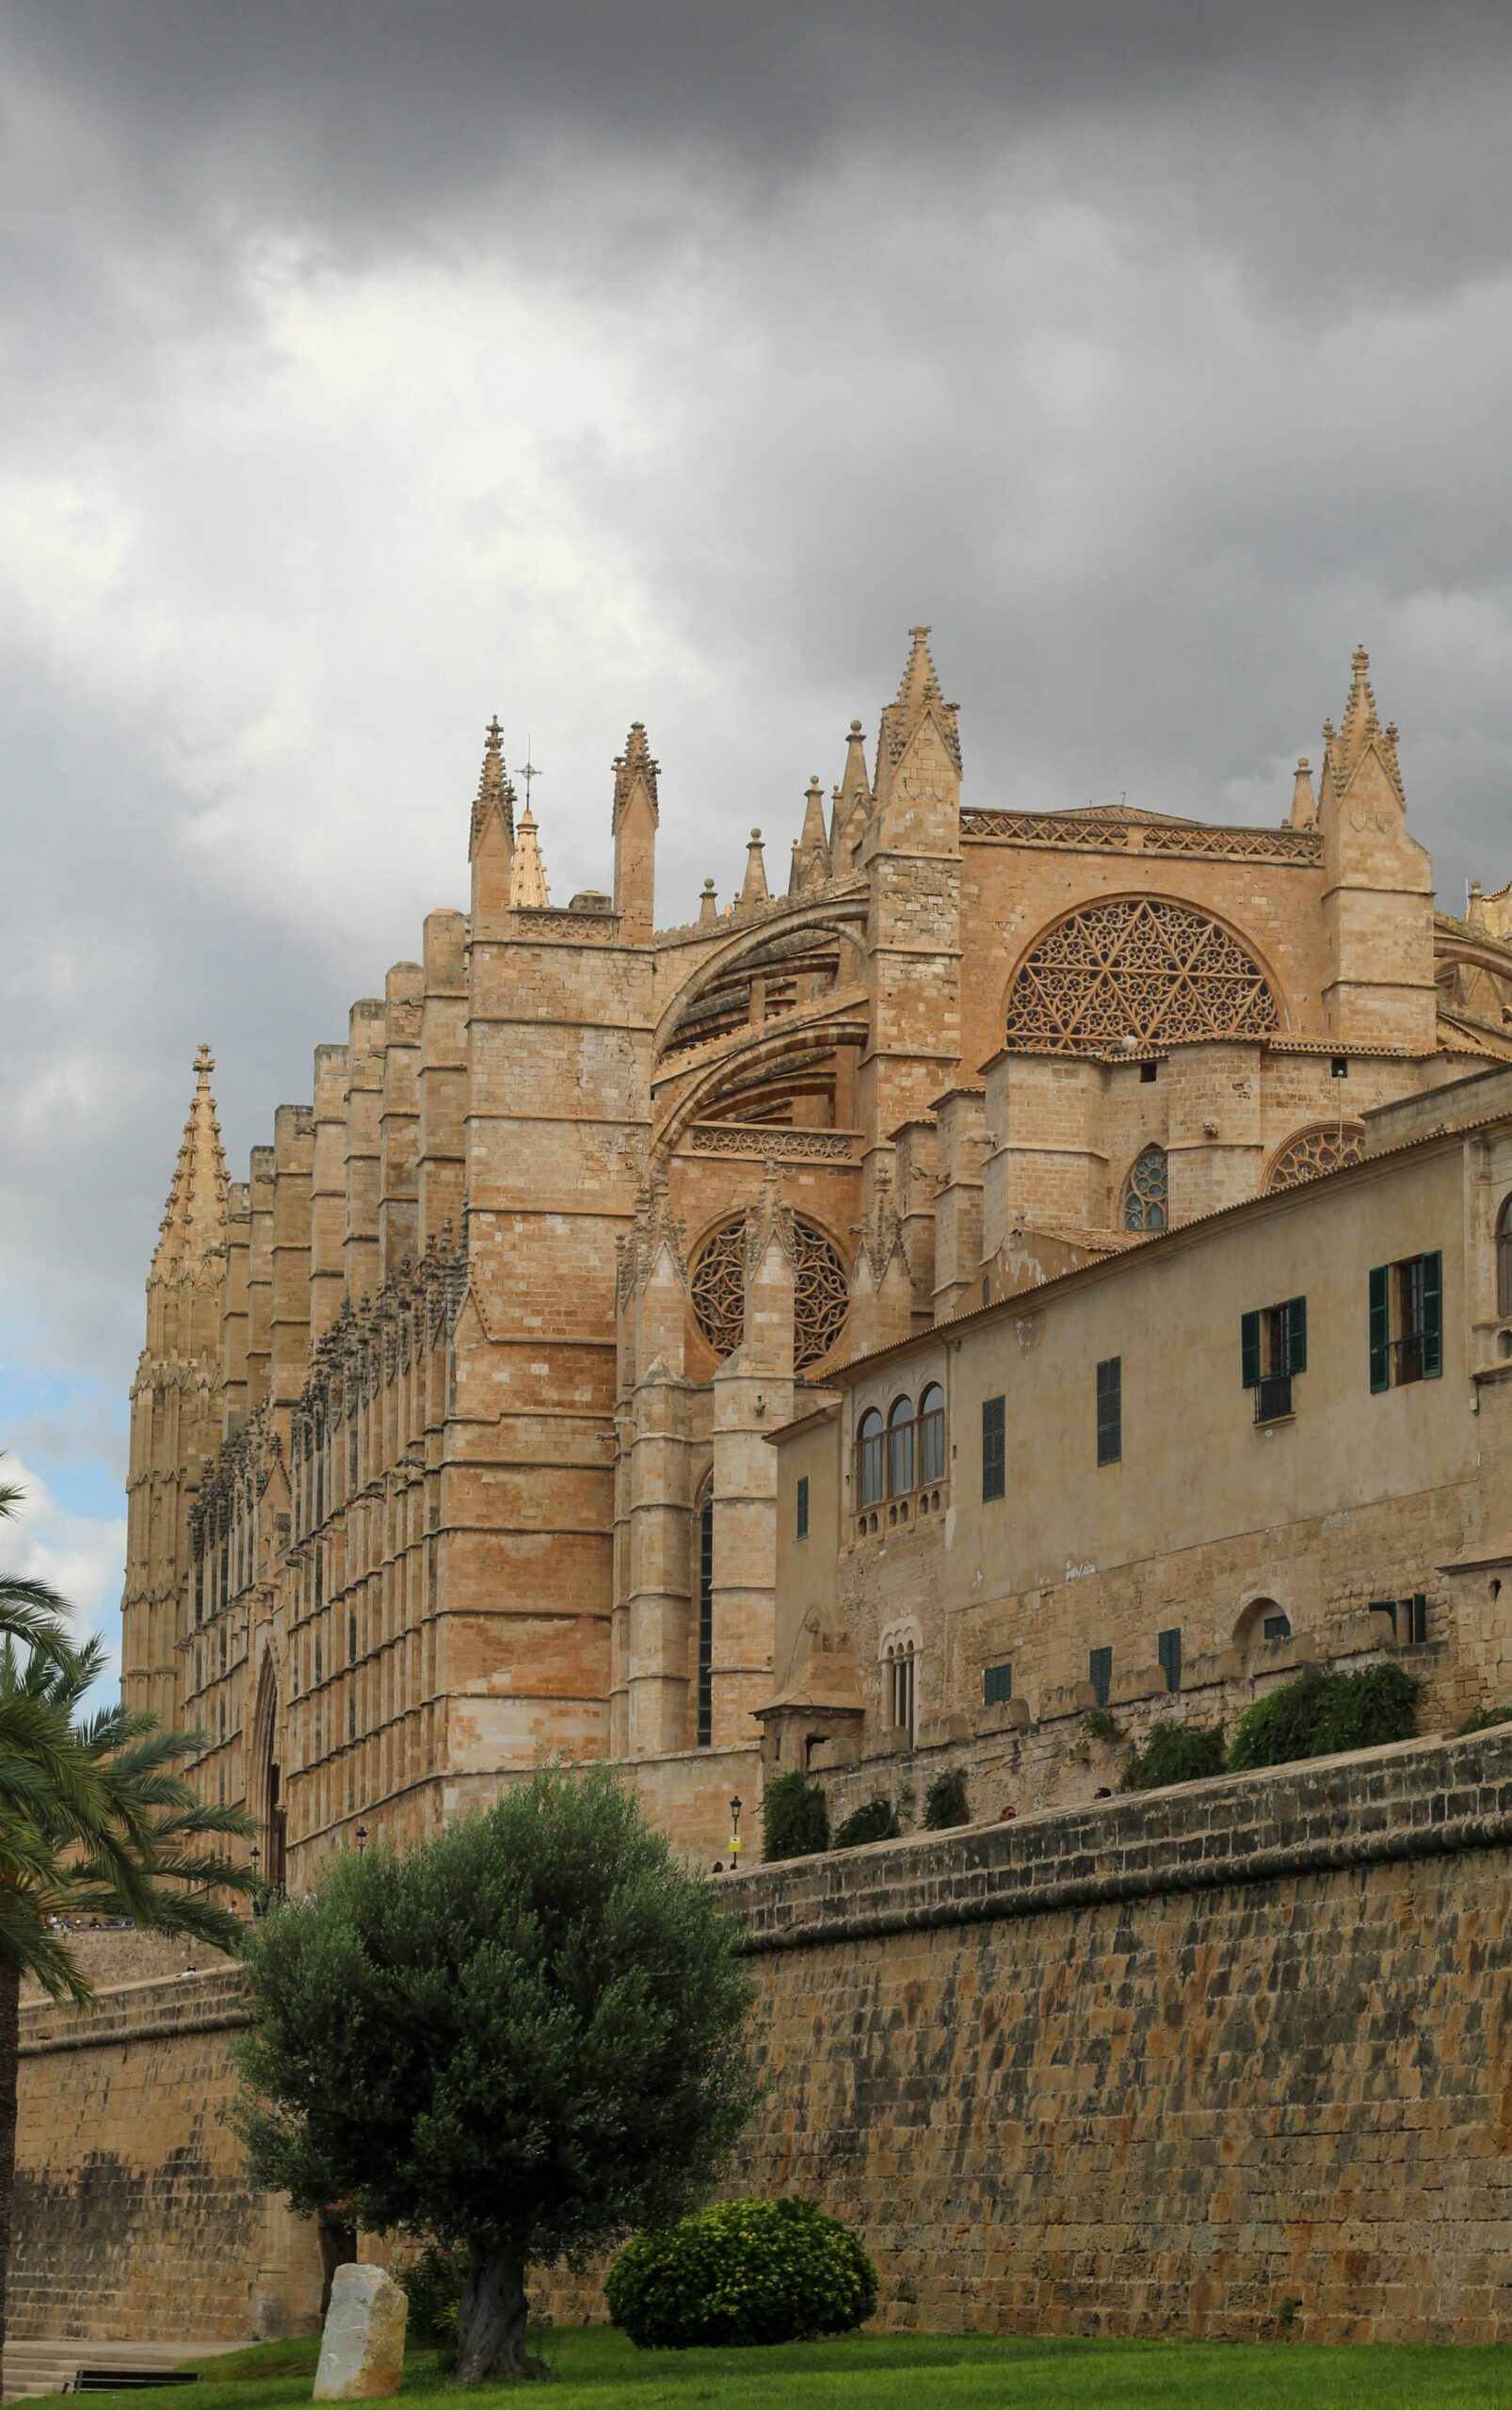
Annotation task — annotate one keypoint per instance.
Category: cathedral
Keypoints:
(451, 1438)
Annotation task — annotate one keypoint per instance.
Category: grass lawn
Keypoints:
(597, 2369)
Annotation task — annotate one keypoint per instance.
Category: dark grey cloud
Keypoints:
(365, 366)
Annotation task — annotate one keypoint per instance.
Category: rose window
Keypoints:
(1140, 968)
(1329, 1148)
(821, 1299)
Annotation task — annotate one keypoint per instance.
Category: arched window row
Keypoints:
(904, 1456)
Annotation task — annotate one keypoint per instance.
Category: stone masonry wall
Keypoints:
(1161, 2065)
(1156, 2064)
(132, 2217)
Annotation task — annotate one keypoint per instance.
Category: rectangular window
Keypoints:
(1409, 1617)
(1273, 1349)
(994, 1461)
(1169, 1647)
(1406, 1321)
(997, 1685)
(1099, 1674)
(803, 1506)
(1110, 1410)
(1276, 1627)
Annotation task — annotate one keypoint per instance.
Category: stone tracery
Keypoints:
(1141, 967)
(1326, 1148)
(821, 1300)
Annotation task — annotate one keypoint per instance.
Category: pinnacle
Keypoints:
(527, 878)
(919, 685)
(494, 792)
(194, 1218)
(635, 764)
(754, 890)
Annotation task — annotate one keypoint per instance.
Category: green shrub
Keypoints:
(742, 2272)
(946, 1803)
(1175, 1753)
(876, 1821)
(794, 1818)
(1098, 1725)
(1486, 1717)
(433, 2287)
(1320, 1715)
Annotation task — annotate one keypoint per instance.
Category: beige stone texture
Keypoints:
(362, 2345)
(438, 1409)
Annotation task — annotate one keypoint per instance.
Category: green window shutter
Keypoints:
(1297, 1334)
(1168, 1644)
(993, 1451)
(1433, 1315)
(1100, 1672)
(1249, 1349)
(1380, 1328)
(803, 1506)
(997, 1685)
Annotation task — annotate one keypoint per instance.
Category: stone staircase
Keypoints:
(46, 2365)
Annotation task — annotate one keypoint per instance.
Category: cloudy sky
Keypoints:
(365, 368)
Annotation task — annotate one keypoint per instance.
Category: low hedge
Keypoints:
(876, 1822)
(742, 2272)
(946, 1804)
(1320, 1715)
(1175, 1753)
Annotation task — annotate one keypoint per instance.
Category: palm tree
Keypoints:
(95, 1819)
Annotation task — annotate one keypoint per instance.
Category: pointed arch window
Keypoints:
(1146, 1192)
(1504, 1259)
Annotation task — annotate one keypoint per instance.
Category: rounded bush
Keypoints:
(1320, 1715)
(742, 2272)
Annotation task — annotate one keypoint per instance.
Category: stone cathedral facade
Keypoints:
(450, 1437)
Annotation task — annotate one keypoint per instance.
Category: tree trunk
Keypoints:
(490, 2326)
(9, 2066)
(338, 2249)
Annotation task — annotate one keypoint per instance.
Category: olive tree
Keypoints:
(524, 2035)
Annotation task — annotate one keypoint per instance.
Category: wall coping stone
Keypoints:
(1416, 1799)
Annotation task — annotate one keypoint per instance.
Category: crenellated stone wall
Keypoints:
(1156, 2064)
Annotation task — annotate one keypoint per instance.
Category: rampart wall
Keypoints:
(1230, 2060)
(132, 2217)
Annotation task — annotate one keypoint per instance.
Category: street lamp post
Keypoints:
(257, 1888)
(734, 1831)
(361, 1836)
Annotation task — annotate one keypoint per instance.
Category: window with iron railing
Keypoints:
(1406, 1321)
(1272, 1350)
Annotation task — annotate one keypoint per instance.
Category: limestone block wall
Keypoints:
(1158, 2066)
(132, 2217)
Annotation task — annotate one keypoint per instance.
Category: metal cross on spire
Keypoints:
(529, 772)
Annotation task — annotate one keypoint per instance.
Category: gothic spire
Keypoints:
(494, 792)
(635, 766)
(919, 696)
(852, 799)
(194, 1218)
(528, 875)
